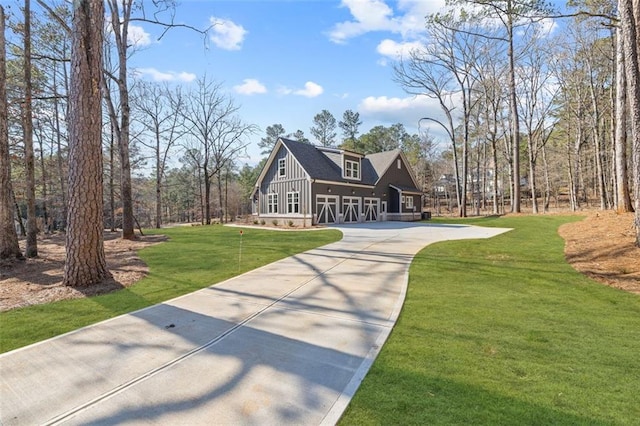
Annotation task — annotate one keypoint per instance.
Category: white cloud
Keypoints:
(157, 75)
(226, 34)
(376, 15)
(395, 50)
(407, 110)
(311, 90)
(136, 35)
(250, 86)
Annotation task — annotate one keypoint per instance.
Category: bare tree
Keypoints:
(158, 108)
(511, 14)
(215, 134)
(535, 103)
(120, 12)
(85, 258)
(9, 247)
(444, 70)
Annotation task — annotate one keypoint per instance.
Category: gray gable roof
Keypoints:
(319, 166)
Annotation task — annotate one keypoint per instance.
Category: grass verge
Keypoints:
(504, 331)
(193, 258)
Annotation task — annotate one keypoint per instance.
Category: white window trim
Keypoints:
(348, 171)
(409, 202)
(282, 167)
(291, 203)
(399, 163)
(272, 203)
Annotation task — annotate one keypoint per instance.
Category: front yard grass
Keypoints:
(502, 332)
(192, 258)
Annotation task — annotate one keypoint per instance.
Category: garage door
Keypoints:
(371, 209)
(327, 208)
(351, 209)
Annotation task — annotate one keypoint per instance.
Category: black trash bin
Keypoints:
(426, 215)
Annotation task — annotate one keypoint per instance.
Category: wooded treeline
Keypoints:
(530, 116)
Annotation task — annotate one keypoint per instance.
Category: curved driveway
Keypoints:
(287, 343)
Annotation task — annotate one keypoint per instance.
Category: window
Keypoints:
(399, 163)
(409, 202)
(352, 169)
(272, 203)
(281, 167)
(293, 202)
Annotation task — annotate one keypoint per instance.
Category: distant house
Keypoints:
(307, 184)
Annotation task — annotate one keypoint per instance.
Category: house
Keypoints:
(306, 184)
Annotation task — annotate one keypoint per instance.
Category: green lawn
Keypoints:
(193, 258)
(503, 332)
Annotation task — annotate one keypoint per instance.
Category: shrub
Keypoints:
(275, 222)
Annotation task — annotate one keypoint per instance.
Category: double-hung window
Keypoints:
(282, 167)
(409, 202)
(272, 203)
(351, 169)
(293, 202)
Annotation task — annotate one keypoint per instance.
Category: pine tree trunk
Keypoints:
(9, 247)
(27, 126)
(623, 196)
(85, 259)
(629, 11)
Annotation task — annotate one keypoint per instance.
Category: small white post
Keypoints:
(240, 251)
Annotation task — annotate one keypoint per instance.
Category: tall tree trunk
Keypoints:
(9, 247)
(597, 142)
(159, 173)
(220, 196)
(120, 31)
(207, 196)
(27, 126)
(532, 175)
(547, 181)
(43, 172)
(630, 21)
(623, 196)
(85, 259)
(61, 174)
(494, 159)
(515, 119)
(112, 188)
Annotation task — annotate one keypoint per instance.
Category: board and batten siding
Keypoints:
(295, 179)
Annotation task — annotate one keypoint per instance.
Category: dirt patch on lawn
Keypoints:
(602, 247)
(39, 280)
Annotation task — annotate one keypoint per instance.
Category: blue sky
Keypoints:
(284, 61)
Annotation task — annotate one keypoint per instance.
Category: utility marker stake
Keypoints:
(240, 252)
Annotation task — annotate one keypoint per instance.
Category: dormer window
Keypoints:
(282, 167)
(351, 169)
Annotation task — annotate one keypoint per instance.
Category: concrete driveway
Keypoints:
(287, 343)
